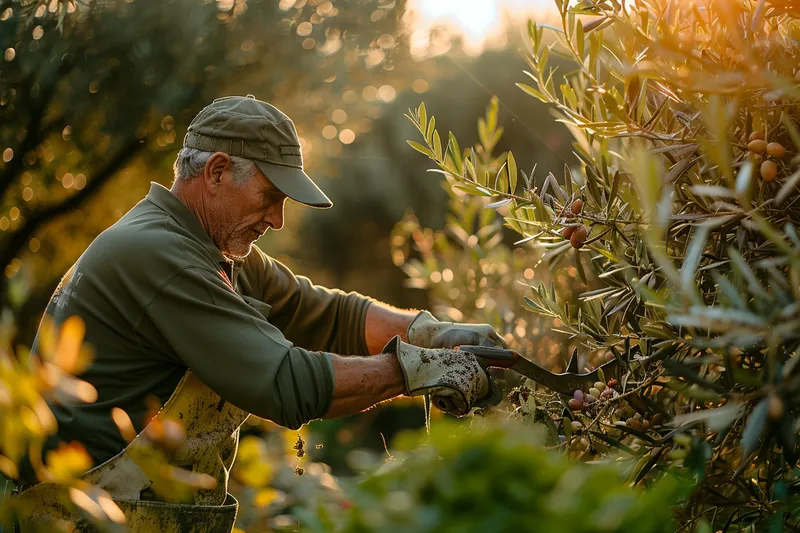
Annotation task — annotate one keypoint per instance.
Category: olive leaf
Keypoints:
(754, 428)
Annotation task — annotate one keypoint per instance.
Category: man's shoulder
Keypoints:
(145, 238)
(260, 263)
(138, 235)
(256, 258)
(258, 270)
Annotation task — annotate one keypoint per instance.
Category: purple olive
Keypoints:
(578, 395)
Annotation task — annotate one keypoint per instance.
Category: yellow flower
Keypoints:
(264, 497)
(67, 462)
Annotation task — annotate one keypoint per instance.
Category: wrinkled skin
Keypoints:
(234, 215)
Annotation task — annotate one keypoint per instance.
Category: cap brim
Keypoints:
(295, 183)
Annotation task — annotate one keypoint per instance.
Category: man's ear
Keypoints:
(214, 170)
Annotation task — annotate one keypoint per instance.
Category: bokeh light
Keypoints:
(304, 29)
(387, 93)
(329, 131)
(339, 116)
(419, 86)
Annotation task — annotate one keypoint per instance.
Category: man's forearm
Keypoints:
(384, 322)
(361, 382)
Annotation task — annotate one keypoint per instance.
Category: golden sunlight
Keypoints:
(480, 23)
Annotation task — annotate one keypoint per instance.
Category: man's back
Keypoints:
(109, 289)
(157, 298)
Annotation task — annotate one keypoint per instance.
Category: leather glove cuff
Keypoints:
(426, 331)
(419, 328)
(454, 378)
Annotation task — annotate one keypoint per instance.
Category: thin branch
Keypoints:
(35, 134)
(36, 219)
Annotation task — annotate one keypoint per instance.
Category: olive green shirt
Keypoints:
(158, 298)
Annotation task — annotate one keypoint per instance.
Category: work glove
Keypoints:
(453, 378)
(427, 332)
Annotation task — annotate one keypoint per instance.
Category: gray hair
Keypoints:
(190, 162)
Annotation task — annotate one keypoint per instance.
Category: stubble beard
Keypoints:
(235, 256)
(234, 244)
(238, 247)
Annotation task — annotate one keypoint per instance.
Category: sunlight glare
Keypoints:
(480, 23)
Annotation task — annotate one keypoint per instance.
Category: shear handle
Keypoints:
(492, 356)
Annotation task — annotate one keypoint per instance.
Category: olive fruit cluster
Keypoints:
(757, 145)
(576, 234)
(597, 392)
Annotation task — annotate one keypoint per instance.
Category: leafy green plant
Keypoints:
(681, 226)
(493, 476)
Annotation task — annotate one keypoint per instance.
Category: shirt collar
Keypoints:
(163, 198)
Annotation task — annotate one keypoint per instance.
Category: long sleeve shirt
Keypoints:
(158, 297)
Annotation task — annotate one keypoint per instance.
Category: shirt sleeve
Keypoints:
(311, 316)
(237, 353)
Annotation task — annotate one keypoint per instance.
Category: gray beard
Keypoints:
(234, 257)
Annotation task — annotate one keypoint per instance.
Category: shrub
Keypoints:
(494, 476)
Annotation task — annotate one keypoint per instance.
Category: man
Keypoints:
(177, 285)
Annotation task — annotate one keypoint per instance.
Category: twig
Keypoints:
(35, 134)
(385, 447)
(17, 240)
(597, 418)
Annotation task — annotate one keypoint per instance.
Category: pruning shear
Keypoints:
(565, 383)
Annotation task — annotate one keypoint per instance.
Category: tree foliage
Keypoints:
(681, 226)
(95, 96)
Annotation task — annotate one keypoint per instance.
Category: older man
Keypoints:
(177, 286)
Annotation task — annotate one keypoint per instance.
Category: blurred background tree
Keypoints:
(96, 96)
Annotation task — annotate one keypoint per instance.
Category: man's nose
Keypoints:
(275, 215)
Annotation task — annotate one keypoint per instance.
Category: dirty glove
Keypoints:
(453, 378)
(428, 332)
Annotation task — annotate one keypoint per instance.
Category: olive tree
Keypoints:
(679, 223)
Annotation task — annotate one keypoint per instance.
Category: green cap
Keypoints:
(245, 127)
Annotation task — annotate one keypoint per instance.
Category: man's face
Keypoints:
(241, 213)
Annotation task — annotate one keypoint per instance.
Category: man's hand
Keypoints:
(454, 378)
(427, 332)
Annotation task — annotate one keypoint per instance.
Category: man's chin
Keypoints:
(239, 251)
